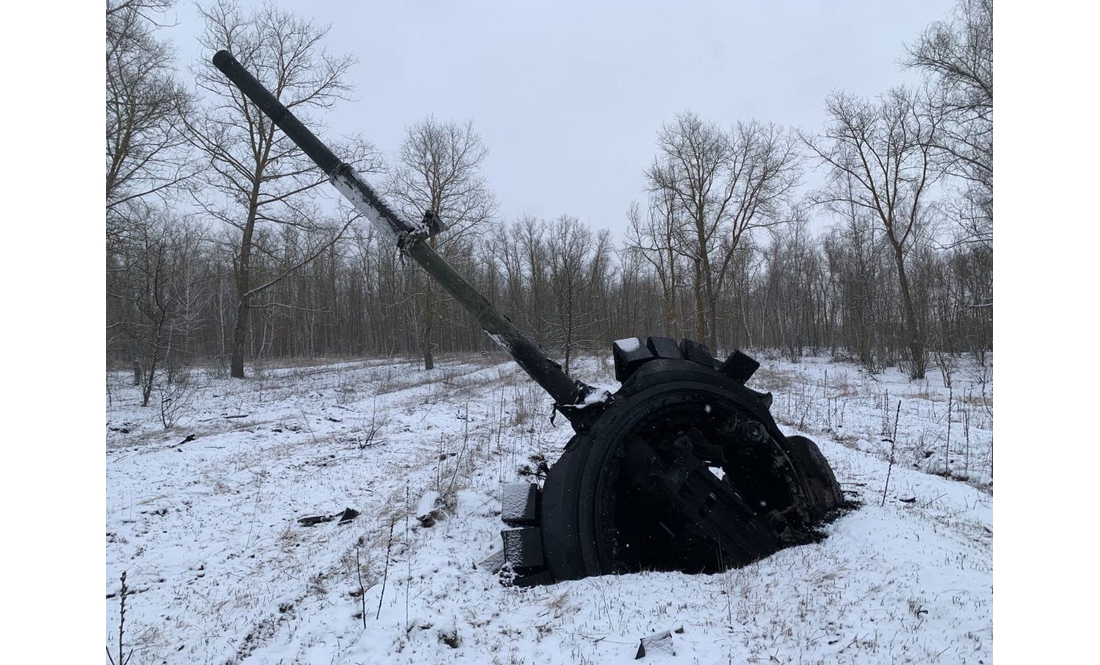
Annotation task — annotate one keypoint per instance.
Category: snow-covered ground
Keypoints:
(203, 519)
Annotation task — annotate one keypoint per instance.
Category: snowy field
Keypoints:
(202, 516)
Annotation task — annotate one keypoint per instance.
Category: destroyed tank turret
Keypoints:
(683, 468)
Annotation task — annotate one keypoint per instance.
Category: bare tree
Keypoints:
(765, 168)
(569, 245)
(257, 176)
(792, 269)
(439, 170)
(858, 268)
(157, 300)
(146, 148)
(880, 159)
(655, 237)
(529, 236)
(600, 271)
(692, 165)
(725, 185)
(958, 55)
(504, 247)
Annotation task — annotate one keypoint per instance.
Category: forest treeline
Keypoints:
(723, 245)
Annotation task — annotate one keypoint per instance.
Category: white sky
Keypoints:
(568, 96)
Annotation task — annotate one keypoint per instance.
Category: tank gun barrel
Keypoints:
(568, 393)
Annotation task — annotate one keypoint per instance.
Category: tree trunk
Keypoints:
(243, 281)
(149, 377)
(426, 341)
(913, 331)
(240, 339)
(700, 307)
(712, 304)
(670, 296)
(568, 340)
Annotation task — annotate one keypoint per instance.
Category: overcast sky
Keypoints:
(568, 97)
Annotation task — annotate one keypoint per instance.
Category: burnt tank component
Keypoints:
(682, 468)
(685, 469)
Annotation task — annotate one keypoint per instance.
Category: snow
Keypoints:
(221, 572)
(428, 504)
(514, 500)
(628, 345)
(597, 396)
(841, 401)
